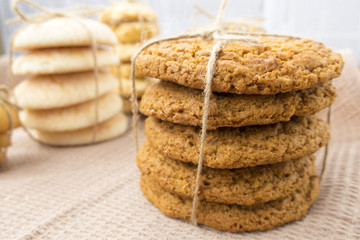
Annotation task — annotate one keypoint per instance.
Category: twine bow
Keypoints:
(248, 24)
(48, 14)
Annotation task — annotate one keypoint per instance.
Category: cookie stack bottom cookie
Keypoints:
(257, 170)
(235, 218)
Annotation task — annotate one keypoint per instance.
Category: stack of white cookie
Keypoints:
(131, 22)
(62, 102)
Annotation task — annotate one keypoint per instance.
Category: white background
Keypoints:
(334, 22)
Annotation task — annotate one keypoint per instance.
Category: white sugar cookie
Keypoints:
(62, 60)
(109, 129)
(56, 91)
(126, 12)
(63, 32)
(73, 117)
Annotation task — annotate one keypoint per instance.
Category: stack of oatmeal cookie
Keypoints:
(258, 171)
(62, 102)
(132, 22)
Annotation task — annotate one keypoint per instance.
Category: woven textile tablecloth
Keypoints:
(92, 192)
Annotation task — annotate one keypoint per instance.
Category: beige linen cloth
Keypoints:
(92, 192)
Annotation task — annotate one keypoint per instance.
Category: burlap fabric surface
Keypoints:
(92, 192)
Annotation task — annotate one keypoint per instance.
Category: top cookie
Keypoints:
(127, 12)
(63, 32)
(274, 65)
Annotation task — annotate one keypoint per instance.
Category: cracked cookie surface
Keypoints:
(174, 103)
(243, 186)
(274, 65)
(231, 217)
(239, 147)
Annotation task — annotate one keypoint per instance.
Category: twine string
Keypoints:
(326, 153)
(218, 19)
(134, 106)
(206, 106)
(118, 69)
(200, 10)
(241, 24)
(47, 15)
(210, 71)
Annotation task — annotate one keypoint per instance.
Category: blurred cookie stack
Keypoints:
(258, 171)
(59, 96)
(8, 121)
(132, 22)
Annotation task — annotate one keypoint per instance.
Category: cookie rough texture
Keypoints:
(171, 102)
(274, 65)
(240, 147)
(234, 218)
(243, 186)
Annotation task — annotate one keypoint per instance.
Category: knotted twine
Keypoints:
(248, 24)
(5, 94)
(48, 14)
(221, 37)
